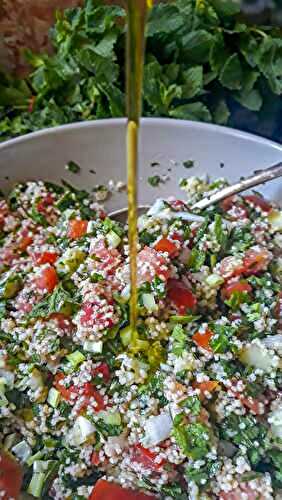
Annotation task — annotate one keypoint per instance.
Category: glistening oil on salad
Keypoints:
(195, 414)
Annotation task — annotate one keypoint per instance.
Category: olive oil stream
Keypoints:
(137, 11)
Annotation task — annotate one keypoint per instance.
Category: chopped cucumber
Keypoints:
(54, 397)
(149, 302)
(22, 450)
(36, 484)
(75, 359)
(94, 347)
(113, 239)
(275, 220)
(214, 280)
(70, 261)
(111, 418)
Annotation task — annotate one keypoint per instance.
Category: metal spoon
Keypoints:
(260, 177)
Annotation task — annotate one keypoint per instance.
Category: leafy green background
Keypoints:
(203, 62)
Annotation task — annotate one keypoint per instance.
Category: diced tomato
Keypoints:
(94, 314)
(66, 392)
(255, 405)
(45, 203)
(89, 393)
(256, 260)
(106, 259)
(106, 490)
(24, 243)
(258, 201)
(64, 322)
(181, 296)
(151, 263)
(207, 386)
(177, 236)
(95, 458)
(238, 286)
(86, 392)
(77, 228)
(146, 458)
(177, 204)
(203, 339)
(47, 279)
(231, 266)
(104, 370)
(11, 477)
(166, 245)
(236, 209)
(44, 258)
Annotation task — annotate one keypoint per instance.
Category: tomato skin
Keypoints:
(146, 458)
(95, 458)
(238, 286)
(104, 370)
(166, 245)
(48, 279)
(11, 477)
(229, 267)
(256, 260)
(105, 490)
(258, 201)
(87, 391)
(181, 296)
(46, 202)
(203, 339)
(77, 228)
(238, 209)
(44, 258)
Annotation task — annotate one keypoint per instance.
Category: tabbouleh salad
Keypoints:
(192, 409)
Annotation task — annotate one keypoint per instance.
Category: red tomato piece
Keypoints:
(104, 370)
(230, 266)
(258, 201)
(238, 286)
(146, 457)
(44, 258)
(66, 392)
(48, 279)
(256, 260)
(11, 477)
(45, 203)
(203, 339)
(77, 228)
(150, 264)
(236, 209)
(105, 490)
(86, 392)
(181, 296)
(166, 245)
(93, 315)
(95, 458)
(64, 322)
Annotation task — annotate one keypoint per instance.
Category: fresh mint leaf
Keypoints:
(192, 438)
(232, 73)
(194, 111)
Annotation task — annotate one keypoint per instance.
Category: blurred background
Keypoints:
(25, 24)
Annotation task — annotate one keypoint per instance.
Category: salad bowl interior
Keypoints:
(169, 150)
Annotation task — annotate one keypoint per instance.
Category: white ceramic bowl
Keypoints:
(100, 146)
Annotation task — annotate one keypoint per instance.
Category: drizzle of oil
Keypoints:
(137, 14)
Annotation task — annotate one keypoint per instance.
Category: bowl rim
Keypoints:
(158, 122)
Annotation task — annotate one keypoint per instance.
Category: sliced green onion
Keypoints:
(113, 239)
(36, 484)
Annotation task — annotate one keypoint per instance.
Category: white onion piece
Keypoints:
(169, 214)
(157, 429)
(157, 207)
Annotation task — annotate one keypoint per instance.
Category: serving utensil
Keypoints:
(259, 177)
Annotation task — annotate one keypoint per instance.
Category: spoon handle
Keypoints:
(260, 177)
